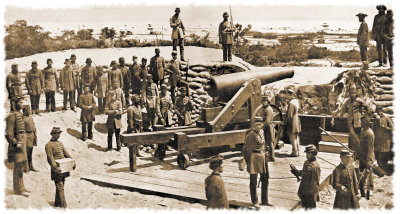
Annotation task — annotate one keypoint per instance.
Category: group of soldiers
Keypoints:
(382, 33)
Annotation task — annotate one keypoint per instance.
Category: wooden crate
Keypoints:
(65, 164)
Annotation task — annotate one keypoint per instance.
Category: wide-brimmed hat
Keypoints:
(88, 59)
(225, 14)
(177, 9)
(55, 130)
(216, 161)
(381, 6)
(361, 15)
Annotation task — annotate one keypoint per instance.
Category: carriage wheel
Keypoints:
(183, 161)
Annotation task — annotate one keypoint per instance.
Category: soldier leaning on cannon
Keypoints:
(87, 104)
(178, 32)
(67, 83)
(31, 137)
(114, 111)
(34, 83)
(51, 85)
(55, 150)
(13, 84)
(215, 187)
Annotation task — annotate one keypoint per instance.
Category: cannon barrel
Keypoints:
(227, 85)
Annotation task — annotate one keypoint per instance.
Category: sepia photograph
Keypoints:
(178, 105)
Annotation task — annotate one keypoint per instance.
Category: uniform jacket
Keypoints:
(183, 106)
(366, 150)
(152, 96)
(309, 185)
(120, 96)
(34, 82)
(87, 75)
(354, 110)
(134, 76)
(67, 79)
(225, 33)
(269, 128)
(345, 176)
(363, 36)
(13, 83)
(50, 79)
(177, 27)
(102, 85)
(85, 102)
(256, 162)
(157, 66)
(55, 150)
(15, 133)
(134, 116)
(293, 119)
(31, 137)
(378, 27)
(112, 117)
(165, 106)
(383, 128)
(77, 75)
(174, 69)
(125, 76)
(216, 192)
(115, 74)
(388, 30)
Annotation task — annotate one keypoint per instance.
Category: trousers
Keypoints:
(18, 177)
(381, 49)
(35, 102)
(110, 136)
(389, 46)
(181, 44)
(227, 52)
(102, 104)
(87, 132)
(264, 188)
(60, 196)
(70, 95)
(295, 141)
(50, 100)
(364, 53)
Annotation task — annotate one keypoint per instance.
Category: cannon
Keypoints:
(225, 125)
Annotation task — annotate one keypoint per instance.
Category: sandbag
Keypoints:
(198, 69)
(384, 103)
(385, 80)
(205, 74)
(204, 97)
(200, 66)
(388, 110)
(192, 74)
(385, 97)
(195, 85)
(201, 91)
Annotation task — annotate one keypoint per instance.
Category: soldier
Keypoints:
(119, 93)
(88, 74)
(13, 83)
(34, 83)
(254, 154)
(31, 136)
(378, 33)
(115, 75)
(134, 74)
(383, 128)
(55, 150)
(157, 66)
(87, 104)
(152, 103)
(134, 116)
(293, 123)
(101, 88)
(345, 183)
(366, 155)
(310, 175)
(67, 82)
(77, 78)
(225, 34)
(143, 79)
(389, 36)
(215, 187)
(178, 32)
(173, 69)
(363, 37)
(183, 106)
(16, 137)
(166, 105)
(124, 70)
(50, 85)
(269, 128)
(114, 111)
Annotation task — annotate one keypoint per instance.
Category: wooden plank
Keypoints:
(209, 114)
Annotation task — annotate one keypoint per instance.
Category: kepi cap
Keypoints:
(34, 62)
(88, 59)
(311, 148)
(345, 152)
(55, 130)
(177, 9)
(216, 161)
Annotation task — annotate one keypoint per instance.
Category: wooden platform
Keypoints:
(165, 178)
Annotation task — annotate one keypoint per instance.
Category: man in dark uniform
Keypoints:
(178, 32)
(31, 136)
(50, 85)
(165, 106)
(269, 128)
(55, 150)
(363, 37)
(134, 116)
(114, 111)
(76, 69)
(310, 175)
(13, 83)
(87, 104)
(134, 74)
(157, 66)
(389, 35)
(366, 155)
(34, 83)
(88, 74)
(174, 68)
(115, 74)
(225, 34)
(254, 153)
(378, 33)
(383, 130)
(67, 83)
(16, 137)
(125, 75)
(101, 88)
(143, 80)
(183, 106)
(152, 103)
(215, 187)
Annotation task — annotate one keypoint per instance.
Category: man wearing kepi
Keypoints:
(16, 137)
(178, 32)
(215, 187)
(345, 183)
(254, 153)
(88, 74)
(269, 128)
(383, 128)
(157, 66)
(31, 137)
(13, 83)
(363, 37)
(378, 33)
(87, 104)
(50, 85)
(225, 33)
(114, 111)
(366, 155)
(55, 150)
(67, 83)
(34, 83)
(310, 175)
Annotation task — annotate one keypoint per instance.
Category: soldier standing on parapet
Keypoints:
(87, 104)
(215, 187)
(383, 128)
(293, 125)
(183, 106)
(363, 37)
(67, 83)
(101, 88)
(134, 76)
(225, 33)
(345, 183)
(114, 111)
(254, 153)
(389, 36)
(34, 83)
(378, 33)
(16, 137)
(13, 83)
(31, 136)
(157, 67)
(166, 105)
(125, 75)
(50, 85)
(115, 74)
(55, 150)
(88, 74)
(269, 128)
(77, 78)
(178, 32)
(174, 70)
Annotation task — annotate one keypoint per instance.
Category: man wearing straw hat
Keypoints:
(215, 187)
(363, 37)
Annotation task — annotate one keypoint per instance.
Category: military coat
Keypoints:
(15, 133)
(67, 79)
(87, 104)
(216, 192)
(345, 176)
(34, 81)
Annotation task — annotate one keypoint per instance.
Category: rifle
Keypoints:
(295, 172)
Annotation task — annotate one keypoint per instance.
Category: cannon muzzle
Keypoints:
(227, 85)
